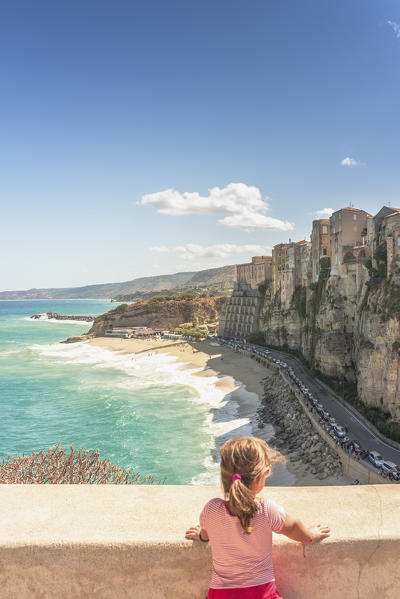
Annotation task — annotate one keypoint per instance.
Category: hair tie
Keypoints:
(236, 477)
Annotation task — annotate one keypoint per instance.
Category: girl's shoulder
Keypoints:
(215, 503)
(274, 513)
(213, 507)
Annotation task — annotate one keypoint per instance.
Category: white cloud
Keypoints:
(396, 28)
(191, 251)
(159, 248)
(242, 205)
(350, 162)
(324, 212)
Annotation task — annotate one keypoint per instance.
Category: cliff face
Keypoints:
(347, 328)
(161, 314)
(377, 348)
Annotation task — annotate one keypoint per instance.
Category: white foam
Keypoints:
(45, 318)
(147, 370)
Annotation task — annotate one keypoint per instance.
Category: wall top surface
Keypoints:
(104, 514)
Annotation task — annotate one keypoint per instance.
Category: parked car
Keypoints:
(375, 458)
(388, 466)
(339, 430)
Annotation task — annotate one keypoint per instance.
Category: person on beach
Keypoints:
(240, 528)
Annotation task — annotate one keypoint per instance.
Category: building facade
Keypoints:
(255, 272)
(320, 246)
(348, 229)
(290, 264)
(243, 309)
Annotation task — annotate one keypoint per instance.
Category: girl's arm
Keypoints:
(295, 530)
(194, 533)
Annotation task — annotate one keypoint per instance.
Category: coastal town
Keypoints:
(340, 247)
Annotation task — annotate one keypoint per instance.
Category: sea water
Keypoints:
(141, 411)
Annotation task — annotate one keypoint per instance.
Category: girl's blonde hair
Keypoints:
(250, 457)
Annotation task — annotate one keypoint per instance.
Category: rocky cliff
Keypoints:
(347, 328)
(161, 314)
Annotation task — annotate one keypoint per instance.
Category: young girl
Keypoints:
(240, 528)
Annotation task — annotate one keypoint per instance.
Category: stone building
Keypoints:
(289, 268)
(304, 250)
(320, 246)
(383, 228)
(348, 228)
(279, 262)
(392, 236)
(243, 309)
(255, 272)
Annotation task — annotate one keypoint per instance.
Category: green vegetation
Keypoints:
(201, 290)
(390, 306)
(380, 419)
(275, 303)
(262, 288)
(396, 346)
(192, 332)
(257, 339)
(168, 298)
(121, 308)
(365, 344)
(299, 301)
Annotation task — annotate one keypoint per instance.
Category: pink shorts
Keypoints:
(262, 591)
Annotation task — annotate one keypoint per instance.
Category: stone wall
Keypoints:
(127, 541)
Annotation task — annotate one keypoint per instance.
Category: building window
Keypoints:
(398, 241)
(340, 215)
(324, 250)
(354, 216)
(324, 229)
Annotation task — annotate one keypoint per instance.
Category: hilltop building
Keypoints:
(255, 272)
(320, 246)
(243, 309)
(384, 228)
(348, 229)
(289, 268)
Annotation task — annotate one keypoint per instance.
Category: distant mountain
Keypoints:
(111, 290)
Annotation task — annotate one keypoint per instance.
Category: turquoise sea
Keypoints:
(144, 412)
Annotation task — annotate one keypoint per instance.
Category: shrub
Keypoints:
(256, 338)
(56, 466)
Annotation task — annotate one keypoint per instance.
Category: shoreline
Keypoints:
(240, 378)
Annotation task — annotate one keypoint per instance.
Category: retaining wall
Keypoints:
(106, 542)
(351, 467)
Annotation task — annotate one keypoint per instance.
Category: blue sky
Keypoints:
(117, 119)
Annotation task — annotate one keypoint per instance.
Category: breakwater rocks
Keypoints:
(295, 436)
(56, 316)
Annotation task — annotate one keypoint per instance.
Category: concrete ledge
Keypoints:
(115, 541)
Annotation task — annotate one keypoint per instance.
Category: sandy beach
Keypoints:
(240, 378)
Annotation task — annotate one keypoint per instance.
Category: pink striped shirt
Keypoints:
(240, 559)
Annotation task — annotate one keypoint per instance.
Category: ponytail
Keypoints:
(242, 504)
(243, 460)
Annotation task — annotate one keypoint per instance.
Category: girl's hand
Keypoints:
(193, 533)
(319, 532)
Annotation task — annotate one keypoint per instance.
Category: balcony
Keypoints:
(67, 541)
